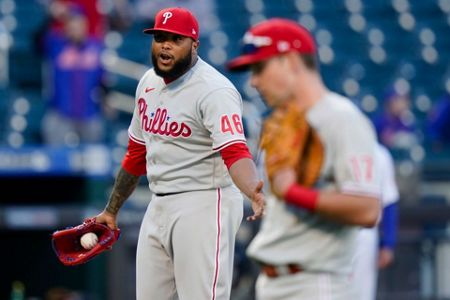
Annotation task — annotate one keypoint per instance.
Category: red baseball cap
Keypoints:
(270, 38)
(175, 20)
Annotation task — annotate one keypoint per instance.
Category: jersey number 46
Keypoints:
(231, 124)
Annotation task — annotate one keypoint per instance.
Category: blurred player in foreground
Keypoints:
(186, 134)
(376, 245)
(319, 158)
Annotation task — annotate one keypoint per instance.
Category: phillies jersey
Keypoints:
(386, 165)
(291, 235)
(366, 260)
(184, 124)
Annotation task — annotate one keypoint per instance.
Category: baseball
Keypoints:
(89, 240)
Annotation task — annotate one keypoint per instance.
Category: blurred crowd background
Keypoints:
(68, 74)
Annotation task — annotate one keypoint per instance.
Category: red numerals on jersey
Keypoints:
(362, 168)
(231, 125)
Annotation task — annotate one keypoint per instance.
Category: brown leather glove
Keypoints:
(290, 142)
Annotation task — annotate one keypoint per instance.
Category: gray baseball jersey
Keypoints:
(292, 235)
(366, 260)
(184, 125)
(385, 162)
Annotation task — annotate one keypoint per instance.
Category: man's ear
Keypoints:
(195, 45)
(294, 61)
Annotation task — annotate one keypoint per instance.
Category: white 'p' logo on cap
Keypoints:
(166, 16)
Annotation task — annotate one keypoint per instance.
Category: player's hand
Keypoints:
(258, 202)
(107, 218)
(282, 180)
(385, 257)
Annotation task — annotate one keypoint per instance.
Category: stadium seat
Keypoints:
(405, 50)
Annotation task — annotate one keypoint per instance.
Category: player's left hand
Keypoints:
(258, 202)
(68, 248)
(385, 257)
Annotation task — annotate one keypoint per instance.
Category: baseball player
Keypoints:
(307, 240)
(376, 251)
(186, 134)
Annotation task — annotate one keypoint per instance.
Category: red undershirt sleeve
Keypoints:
(134, 161)
(234, 152)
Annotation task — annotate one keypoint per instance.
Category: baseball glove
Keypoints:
(289, 141)
(67, 246)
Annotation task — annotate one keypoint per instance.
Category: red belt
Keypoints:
(275, 271)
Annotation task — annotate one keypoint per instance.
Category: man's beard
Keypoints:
(178, 69)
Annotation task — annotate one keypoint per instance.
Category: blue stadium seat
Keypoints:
(350, 47)
(30, 16)
(33, 115)
(274, 8)
(4, 108)
(425, 10)
(136, 44)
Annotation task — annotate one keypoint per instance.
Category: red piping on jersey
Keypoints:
(135, 161)
(135, 139)
(216, 267)
(228, 143)
(234, 152)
